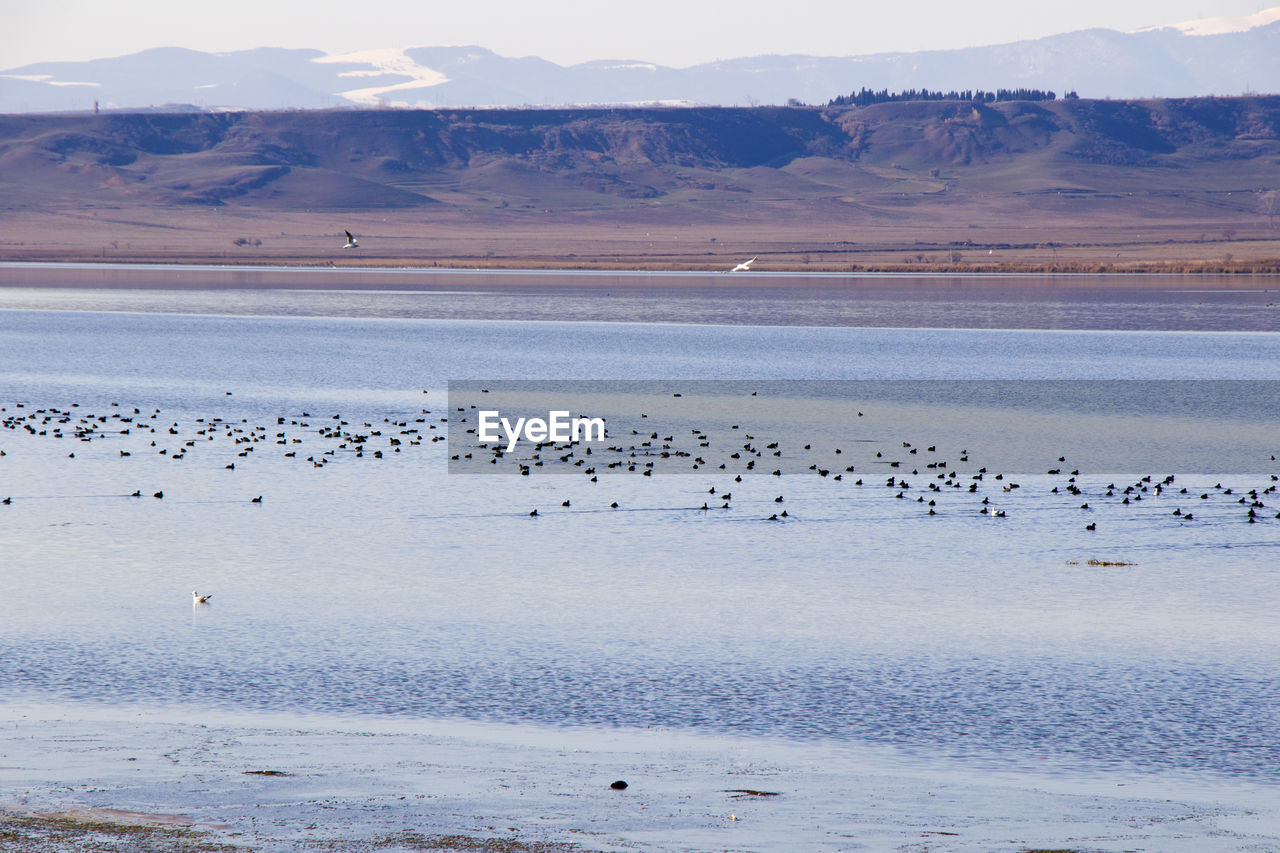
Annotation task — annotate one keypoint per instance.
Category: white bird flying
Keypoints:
(745, 266)
(351, 241)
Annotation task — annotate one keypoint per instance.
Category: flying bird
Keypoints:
(351, 241)
(745, 266)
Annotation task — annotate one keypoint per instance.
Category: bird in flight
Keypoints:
(351, 241)
(745, 266)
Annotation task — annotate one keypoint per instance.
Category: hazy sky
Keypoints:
(669, 32)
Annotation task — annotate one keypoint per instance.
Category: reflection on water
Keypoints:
(1215, 303)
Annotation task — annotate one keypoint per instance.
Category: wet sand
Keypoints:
(406, 785)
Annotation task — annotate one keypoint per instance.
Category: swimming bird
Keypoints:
(197, 598)
(351, 241)
(745, 266)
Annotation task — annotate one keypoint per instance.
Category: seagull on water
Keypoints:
(745, 266)
(351, 241)
(197, 598)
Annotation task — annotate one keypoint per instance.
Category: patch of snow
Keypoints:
(386, 58)
(391, 60)
(1220, 26)
(47, 78)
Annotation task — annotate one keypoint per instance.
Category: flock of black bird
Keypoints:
(906, 472)
(322, 440)
(918, 474)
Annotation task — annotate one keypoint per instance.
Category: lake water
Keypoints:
(1137, 302)
(391, 589)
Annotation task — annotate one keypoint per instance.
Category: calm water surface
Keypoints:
(390, 587)
(1143, 302)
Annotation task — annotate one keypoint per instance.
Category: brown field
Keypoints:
(628, 240)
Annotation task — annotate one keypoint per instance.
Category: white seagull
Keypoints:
(745, 266)
(351, 241)
(197, 598)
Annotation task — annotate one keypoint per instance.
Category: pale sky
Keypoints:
(669, 32)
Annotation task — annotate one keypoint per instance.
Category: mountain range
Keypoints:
(1073, 180)
(1193, 59)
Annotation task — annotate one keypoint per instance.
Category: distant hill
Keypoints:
(1190, 149)
(1191, 60)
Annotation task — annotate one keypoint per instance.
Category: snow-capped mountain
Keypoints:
(1210, 56)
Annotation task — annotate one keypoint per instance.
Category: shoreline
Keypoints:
(1261, 266)
(207, 274)
(166, 777)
